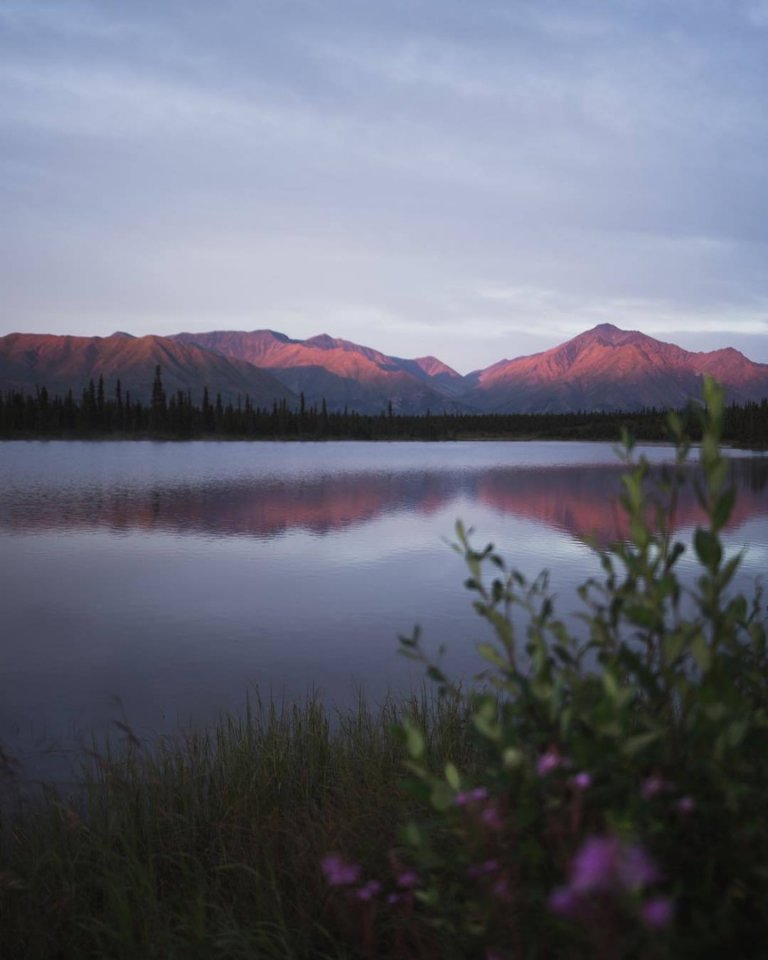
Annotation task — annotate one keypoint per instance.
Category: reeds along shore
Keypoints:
(211, 846)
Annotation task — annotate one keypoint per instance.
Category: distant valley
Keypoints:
(604, 369)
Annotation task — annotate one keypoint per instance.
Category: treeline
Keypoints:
(96, 415)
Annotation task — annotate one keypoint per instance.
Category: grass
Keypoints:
(210, 846)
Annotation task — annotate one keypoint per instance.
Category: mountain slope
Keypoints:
(62, 363)
(602, 369)
(342, 373)
(611, 369)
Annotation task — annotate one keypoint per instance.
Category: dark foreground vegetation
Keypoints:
(95, 415)
(599, 794)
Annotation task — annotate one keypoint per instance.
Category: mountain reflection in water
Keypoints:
(580, 500)
(160, 584)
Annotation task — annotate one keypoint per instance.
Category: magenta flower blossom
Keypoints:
(605, 864)
(492, 818)
(407, 880)
(338, 872)
(685, 805)
(657, 913)
(653, 786)
(548, 762)
(465, 797)
(564, 901)
(501, 889)
(595, 865)
(369, 890)
(582, 781)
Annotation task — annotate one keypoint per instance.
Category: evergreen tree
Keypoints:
(158, 407)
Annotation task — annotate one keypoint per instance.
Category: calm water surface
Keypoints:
(159, 584)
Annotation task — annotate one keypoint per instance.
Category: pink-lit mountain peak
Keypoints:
(435, 367)
(607, 368)
(603, 349)
(324, 341)
(608, 338)
(338, 372)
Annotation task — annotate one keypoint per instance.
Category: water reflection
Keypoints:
(178, 577)
(580, 500)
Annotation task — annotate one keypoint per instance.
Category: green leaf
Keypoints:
(737, 731)
(436, 674)
(723, 507)
(640, 616)
(414, 740)
(452, 776)
(702, 652)
(673, 644)
(488, 652)
(708, 548)
(718, 474)
(639, 742)
(489, 728)
(412, 835)
(611, 685)
(441, 797)
(512, 758)
(639, 532)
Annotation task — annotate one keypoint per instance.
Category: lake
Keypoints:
(159, 584)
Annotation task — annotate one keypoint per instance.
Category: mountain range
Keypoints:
(602, 369)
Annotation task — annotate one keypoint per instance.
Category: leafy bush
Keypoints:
(617, 804)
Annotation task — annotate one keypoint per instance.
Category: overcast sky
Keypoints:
(474, 179)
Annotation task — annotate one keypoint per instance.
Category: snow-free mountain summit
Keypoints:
(603, 369)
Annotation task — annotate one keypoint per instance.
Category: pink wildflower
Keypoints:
(582, 781)
(368, 890)
(501, 890)
(595, 865)
(564, 901)
(653, 786)
(657, 913)
(408, 879)
(548, 762)
(466, 797)
(604, 864)
(685, 805)
(482, 869)
(492, 818)
(338, 872)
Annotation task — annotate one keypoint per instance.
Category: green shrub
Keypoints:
(616, 805)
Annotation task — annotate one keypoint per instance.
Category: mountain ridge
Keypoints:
(601, 369)
(62, 363)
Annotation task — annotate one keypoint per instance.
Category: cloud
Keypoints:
(755, 12)
(389, 172)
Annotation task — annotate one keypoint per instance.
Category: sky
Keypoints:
(472, 179)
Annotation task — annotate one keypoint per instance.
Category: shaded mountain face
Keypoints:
(603, 369)
(342, 373)
(611, 369)
(68, 363)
